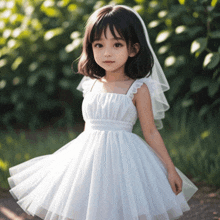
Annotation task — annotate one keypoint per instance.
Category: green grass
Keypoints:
(17, 148)
(194, 145)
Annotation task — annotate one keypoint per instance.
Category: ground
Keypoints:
(204, 205)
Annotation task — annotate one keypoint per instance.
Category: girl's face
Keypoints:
(111, 53)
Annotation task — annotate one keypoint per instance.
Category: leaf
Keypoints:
(163, 49)
(162, 14)
(16, 63)
(162, 36)
(182, 2)
(2, 41)
(31, 81)
(203, 110)
(153, 23)
(199, 83)
(49, 10)
(211, 60)
(33, 66)
(64, 83)
(192, 32)
(75, 35)
(180, 29)
(72, 7)
(213, 3)
(3, 62)
(215, 103)
(75, 44)
(2, 84)
(64, 3)
(169, 61)
(199, 45)
(36, 24)
(205, 134)
(215, 34)
(67, 70)
(52, 33)
(215, 14)
(187, 103)
(213, 88)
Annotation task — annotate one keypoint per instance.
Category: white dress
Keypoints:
(106, 173)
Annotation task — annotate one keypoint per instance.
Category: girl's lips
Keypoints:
(108, 61)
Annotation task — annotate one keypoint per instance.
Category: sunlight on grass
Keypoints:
(10, 214)
(205, 134)
(193, 145)
(4, 165)
(18, 148)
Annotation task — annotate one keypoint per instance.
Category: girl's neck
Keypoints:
(110, 79)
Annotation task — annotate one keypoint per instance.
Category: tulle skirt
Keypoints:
(100, 175)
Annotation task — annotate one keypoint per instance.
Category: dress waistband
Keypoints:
(108, 125)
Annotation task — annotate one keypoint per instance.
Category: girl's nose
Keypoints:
(107, 53)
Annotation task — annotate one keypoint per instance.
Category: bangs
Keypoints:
(101, 26)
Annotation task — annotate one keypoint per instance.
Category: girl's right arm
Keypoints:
(84, 126)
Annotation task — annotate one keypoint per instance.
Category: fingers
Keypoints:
(175, 183)
(178, 187)
(178, 190)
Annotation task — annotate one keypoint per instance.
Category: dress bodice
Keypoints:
(109, 106)
(119, 107)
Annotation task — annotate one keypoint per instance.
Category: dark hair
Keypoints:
(129, 28)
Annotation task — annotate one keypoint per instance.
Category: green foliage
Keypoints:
(186, 37)
(40, 39)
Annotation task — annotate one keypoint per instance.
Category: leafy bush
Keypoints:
(40, 39)
(186, 37)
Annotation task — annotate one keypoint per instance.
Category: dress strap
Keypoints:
(137, 84)
(85, 85)
(93, 85)
(158, 99)
(130, 89)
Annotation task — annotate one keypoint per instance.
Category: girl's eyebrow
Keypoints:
(117, 38)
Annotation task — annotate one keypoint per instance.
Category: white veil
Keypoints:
(156, 82)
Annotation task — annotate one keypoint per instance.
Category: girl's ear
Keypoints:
(134, 49)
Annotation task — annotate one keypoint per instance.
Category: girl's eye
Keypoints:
(98, 45)
(118, 45)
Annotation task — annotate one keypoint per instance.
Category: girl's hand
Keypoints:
(175, 181)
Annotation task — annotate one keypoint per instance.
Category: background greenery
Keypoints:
(39, 40)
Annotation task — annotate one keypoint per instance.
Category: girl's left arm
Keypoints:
(150, 132)
(152, 136)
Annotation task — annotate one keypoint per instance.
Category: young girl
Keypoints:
(108, 172)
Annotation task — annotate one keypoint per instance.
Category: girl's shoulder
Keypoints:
(138, 83)
(85, 84)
